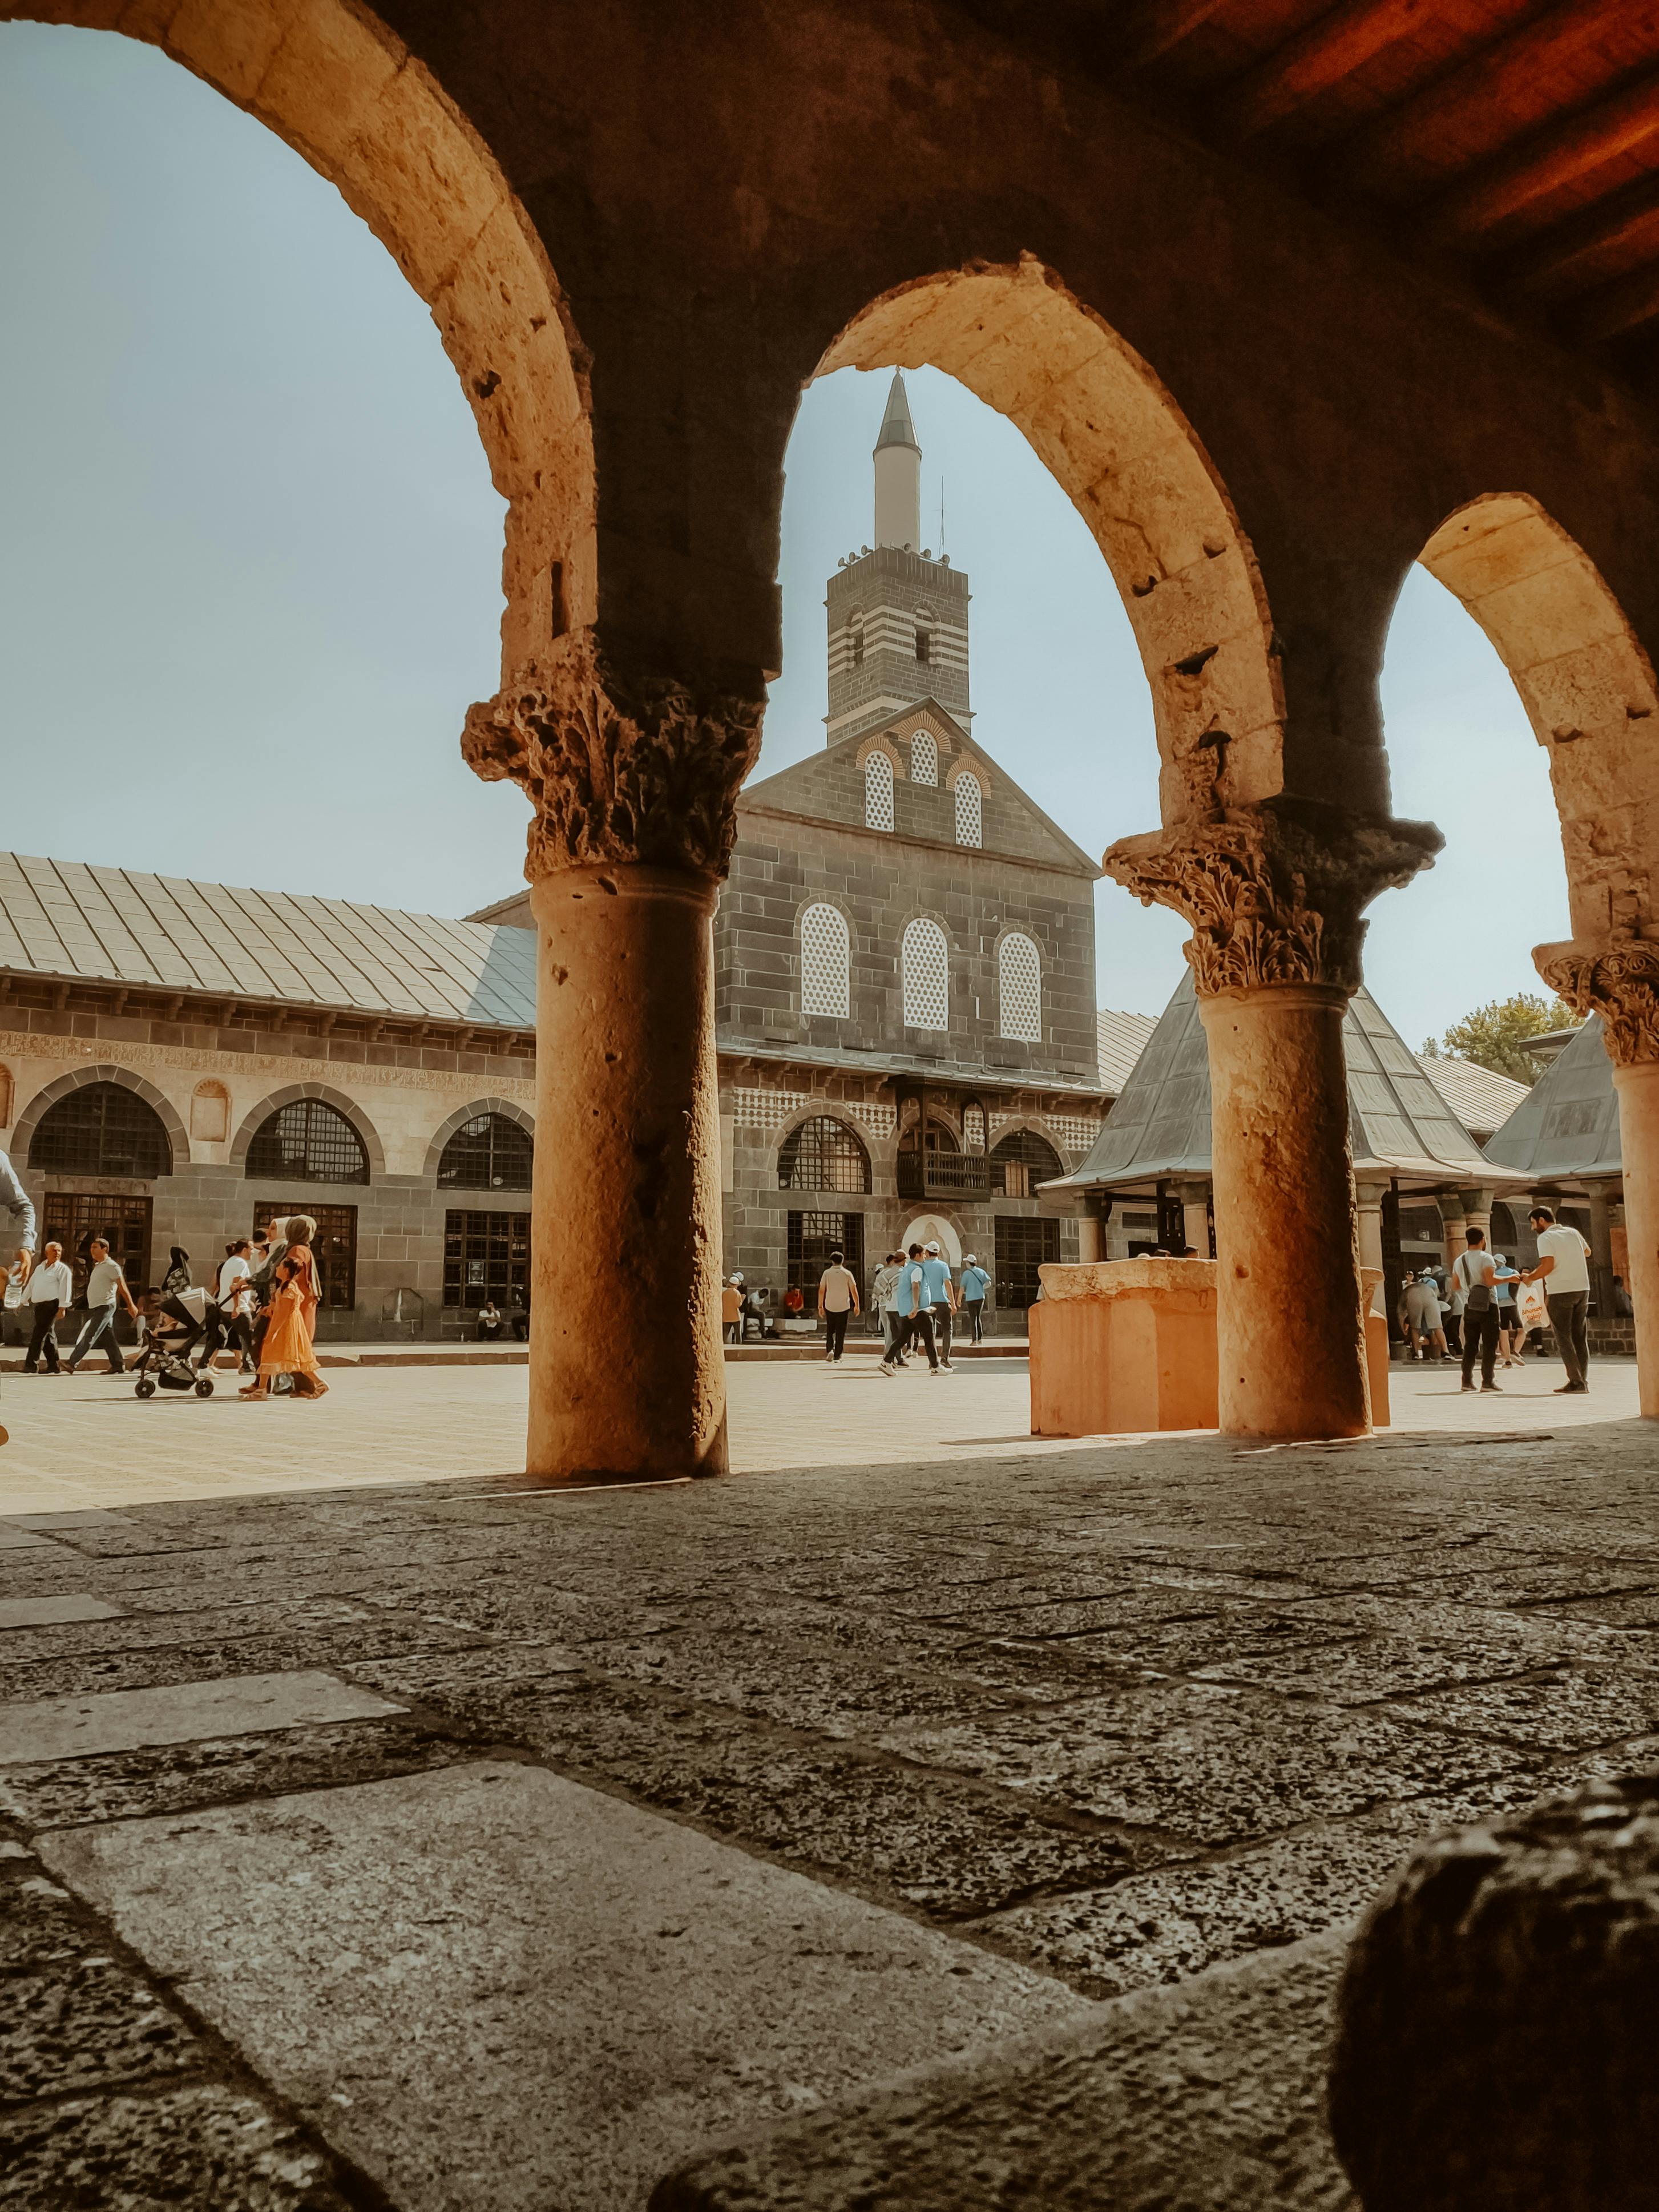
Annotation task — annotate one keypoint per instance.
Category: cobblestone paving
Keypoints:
(1117, 1712)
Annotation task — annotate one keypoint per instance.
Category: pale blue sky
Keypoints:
(250, 575)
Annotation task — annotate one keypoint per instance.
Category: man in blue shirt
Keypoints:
(975, 1285)
(910, 1303)
(941, 1301)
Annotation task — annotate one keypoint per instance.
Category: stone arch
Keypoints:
(449, 1125)
(824, 1110)
(333, 81)
(105, 1072)
(276, 1100)
(1588, 687)
(1135, 469)
(880, 744)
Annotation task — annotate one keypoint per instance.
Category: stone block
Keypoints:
(1124, 1346)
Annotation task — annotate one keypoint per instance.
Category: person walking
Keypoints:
(838, 1301)
(268, 1245)
(1504, 1278)
(975, 1285)
(1563, 1268)
(883, 1295)
(910, 1299)
(177, 1278)
(1475, 1274)
(230, 1308)
(106, 1282)
(16, 1201)
(1422, 1306)
(51, 1287)
(288, 1349)
(941, 1301)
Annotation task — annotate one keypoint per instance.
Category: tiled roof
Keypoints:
(1568, 1123)
(63, 920)
(1122, 1038)
(1482, 1099)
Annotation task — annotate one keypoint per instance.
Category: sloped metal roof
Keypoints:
(1568, 1123)
(1121, 1039)
(64, 919)
(1399, 1124)
(1482, 1098)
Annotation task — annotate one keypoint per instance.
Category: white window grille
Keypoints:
(926, 961)
(877, 792)
(825, 951)
(924, 757)
(973, 1128)
(968, 810)
(1020, 977)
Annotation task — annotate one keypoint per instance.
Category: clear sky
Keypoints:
(250, 571)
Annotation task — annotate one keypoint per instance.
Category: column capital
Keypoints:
(623, 766)
(1618, 978)
(1274, 892)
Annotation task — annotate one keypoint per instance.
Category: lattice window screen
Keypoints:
(927, 964)
(1019, 974)
(969, 811)
(924, 757)
(825, 950)
(878, 793)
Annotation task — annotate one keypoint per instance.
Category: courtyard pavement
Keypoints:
(449, 1844)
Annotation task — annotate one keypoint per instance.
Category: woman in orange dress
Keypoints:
(287, 1347)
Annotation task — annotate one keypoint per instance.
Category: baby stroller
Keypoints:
(163, 1361)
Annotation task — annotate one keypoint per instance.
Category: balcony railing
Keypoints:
(943, 1175)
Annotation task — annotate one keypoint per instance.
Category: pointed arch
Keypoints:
(1133, 467)
(1588, 687)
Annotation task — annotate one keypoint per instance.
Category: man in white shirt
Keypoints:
(1563, 1268)
(1475, 1274)
(104, 1282)
(51, 1287)
(838, 1301)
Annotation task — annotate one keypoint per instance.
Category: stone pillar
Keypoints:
(633, 779)
(1091, 1240)
(1195, 1216)
(1274, 894)
(1453, 1222)
(1618, 979)
(1477, 1212)
(1600, 1265)
(1368, 1197)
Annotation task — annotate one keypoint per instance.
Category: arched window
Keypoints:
(1020, 1161)
(970, 810)
(1019, 989)
(858, 641)
(102, 1129)
(826, 950)
(925, 962)
(308, 1141)
(488, 1153)
(924, 647)
(924, 757)
(877, 792)
(822, 1154)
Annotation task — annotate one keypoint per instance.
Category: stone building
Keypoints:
(178, 1061)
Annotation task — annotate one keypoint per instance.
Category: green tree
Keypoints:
(1492, 1036)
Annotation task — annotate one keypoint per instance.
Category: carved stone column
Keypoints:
(1369, 1217)
(1618, 979)
(1274, 894)
(633, 780)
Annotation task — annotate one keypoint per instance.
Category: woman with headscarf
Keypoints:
(287, 1349)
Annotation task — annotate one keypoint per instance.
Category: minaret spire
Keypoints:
(898, 473)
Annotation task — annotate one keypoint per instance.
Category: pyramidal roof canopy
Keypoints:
(1567, 1124)
(1399, 1126)
(896, 428)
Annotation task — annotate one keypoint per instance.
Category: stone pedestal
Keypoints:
(1124, 1347)
(1376, 1345)
(1292, 1346)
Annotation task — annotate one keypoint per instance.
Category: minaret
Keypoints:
(898, 474)
(898, 618)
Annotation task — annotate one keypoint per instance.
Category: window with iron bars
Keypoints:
(102, 1129)
(486, 1256)
(822, 1154)
(488, 1153)
(1020, 1161)
(308, 1141)
(813, 1238)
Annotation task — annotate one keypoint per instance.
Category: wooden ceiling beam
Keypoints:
(1565, 261)
(1543, 164)
(1505, 75)
(1164, 24)
(1333, 47)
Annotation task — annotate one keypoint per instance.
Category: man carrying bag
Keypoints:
(1476, 1276)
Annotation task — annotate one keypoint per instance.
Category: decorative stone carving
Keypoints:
(1274, 892)
(1617, 980)
(620, 769)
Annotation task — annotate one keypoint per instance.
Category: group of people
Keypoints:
(1488, 1308)
(913, 1297)
(262, 1302)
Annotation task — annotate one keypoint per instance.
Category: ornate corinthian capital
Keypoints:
(620, 769)
(1618, 978)
(1274, 892)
